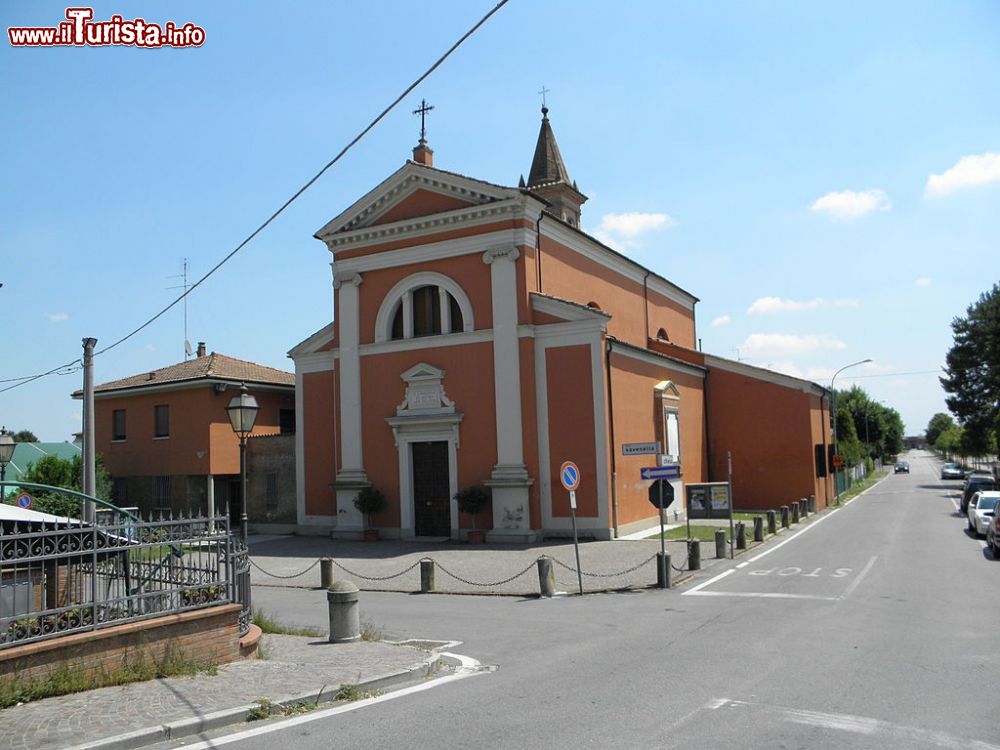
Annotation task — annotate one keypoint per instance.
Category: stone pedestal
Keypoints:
(511, 510)
(350, 524)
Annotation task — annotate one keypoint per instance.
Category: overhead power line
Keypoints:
(285, 205)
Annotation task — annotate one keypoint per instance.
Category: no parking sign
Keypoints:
(24, 500)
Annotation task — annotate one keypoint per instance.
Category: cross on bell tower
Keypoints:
(422, 153)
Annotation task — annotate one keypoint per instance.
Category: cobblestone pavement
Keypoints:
(294, 665)
(462, 568)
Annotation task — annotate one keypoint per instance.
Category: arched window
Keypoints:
(662, 334)
(667, 410)
(424, 304)
(593, 305)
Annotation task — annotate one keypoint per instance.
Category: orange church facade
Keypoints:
(480, 337)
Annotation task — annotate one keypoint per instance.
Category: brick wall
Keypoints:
(274, 455)
(204, 636)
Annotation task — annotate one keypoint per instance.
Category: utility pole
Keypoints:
(89, 455)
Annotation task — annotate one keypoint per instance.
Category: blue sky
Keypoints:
(775, 159)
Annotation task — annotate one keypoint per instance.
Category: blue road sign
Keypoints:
(24, 500)
(661, 472)
(569, 475)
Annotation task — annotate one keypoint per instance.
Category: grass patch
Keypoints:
(350, 692)
(261, 711)
(861, 486)
(269, 625)
(370, 631)
(699, 532)
(74, 679)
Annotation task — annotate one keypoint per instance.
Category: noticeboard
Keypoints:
(708, 500)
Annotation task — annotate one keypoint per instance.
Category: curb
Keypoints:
(229, 716)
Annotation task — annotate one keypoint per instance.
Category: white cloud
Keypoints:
(150, 348)
(816, 374)
(970, 171)
(848, 204)
(764, 344)
(923, 282)
(765, 305)
(58, 317)
(722, 320)
(876, 368)
(622, 230)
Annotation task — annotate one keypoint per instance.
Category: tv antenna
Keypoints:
(184, 285)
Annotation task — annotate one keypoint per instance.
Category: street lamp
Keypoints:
(7, 446)
(242, 411)
(833, 403)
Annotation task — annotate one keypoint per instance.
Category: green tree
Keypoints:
(972, 371)
(950, 441)
(848, 445)
(938, 424)
(67, 473)
(24, 436)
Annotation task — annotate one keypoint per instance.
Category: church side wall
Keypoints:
(319, 443)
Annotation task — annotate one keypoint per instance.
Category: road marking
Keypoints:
(865, 725)
(856, 581)
(470, 668)
(762, 595)
(743, 564)
(710, 581)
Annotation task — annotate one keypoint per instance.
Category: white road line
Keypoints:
(867, 726)
(762, 595)
(469, 668)
(857, 581)
(743, 564)
(710, 581)
(812, 525)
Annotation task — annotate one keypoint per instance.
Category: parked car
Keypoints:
(982, 511)
(952, 471)
(976, 483)
(902, 467)
(993, 535)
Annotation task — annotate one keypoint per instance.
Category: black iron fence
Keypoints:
(60, 576)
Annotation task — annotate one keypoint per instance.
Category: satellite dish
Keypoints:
(187, 348)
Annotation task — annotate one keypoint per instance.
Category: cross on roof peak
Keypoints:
(422, 110)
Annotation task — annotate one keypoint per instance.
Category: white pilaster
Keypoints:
(509, 480)
(407, 303)
(351, 477)
(445, 310)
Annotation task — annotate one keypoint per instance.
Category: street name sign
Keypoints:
(640, 449)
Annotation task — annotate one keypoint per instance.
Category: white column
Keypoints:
(445, 302)
(351, 477)
(509, 480)
(407, 303)
(210, 502)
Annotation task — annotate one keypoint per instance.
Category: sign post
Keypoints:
(569, 475)
(661, 495)
(732, 538)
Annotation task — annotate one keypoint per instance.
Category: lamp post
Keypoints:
(7, 446)
(242, 411)
(833, 403)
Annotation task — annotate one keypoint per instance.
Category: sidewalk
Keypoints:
(143, 713)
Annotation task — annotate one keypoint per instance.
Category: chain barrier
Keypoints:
(275, 575)
(377, 578)
(476, 583)
(605, 575)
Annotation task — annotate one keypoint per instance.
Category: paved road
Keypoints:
(871, 628)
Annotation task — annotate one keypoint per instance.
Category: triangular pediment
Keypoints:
(412, 191)
(422, 371)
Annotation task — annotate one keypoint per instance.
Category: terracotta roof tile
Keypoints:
(212, 366)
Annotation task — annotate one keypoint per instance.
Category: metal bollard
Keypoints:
(795, 512)
(758, 528)
(663, 572)
(803, 508)
(720, 543)
(325, 572)
(812, 503)
(784, 517)
(426, 576)
(694, 555)
(546, 578)
(345, 623)
(772, 523)
(741, 535)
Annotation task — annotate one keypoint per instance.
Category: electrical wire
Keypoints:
(285, 205)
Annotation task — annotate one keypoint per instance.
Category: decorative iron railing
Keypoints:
(64, 576)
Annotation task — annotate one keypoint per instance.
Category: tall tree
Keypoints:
(972, 371)
(24, 436)
(938, 424)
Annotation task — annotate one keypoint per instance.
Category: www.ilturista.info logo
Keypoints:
(80, 30)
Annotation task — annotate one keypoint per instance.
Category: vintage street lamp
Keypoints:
(833, 403)
(7, 446)
(242, 414)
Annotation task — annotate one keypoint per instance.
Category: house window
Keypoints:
(432, 311)
(271, 490)
(161, 421)
(118, 424)
(161, 492)
(662, 334)
(667, 402)
(820, 461)
(286, 421)
(120, 490)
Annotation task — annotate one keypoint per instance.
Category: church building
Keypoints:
(481, 337)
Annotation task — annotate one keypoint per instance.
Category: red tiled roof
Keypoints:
(212, 366)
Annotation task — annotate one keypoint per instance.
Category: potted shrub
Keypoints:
(370, 502)
(472, 500)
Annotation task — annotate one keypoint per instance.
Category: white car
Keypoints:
(982, 510)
